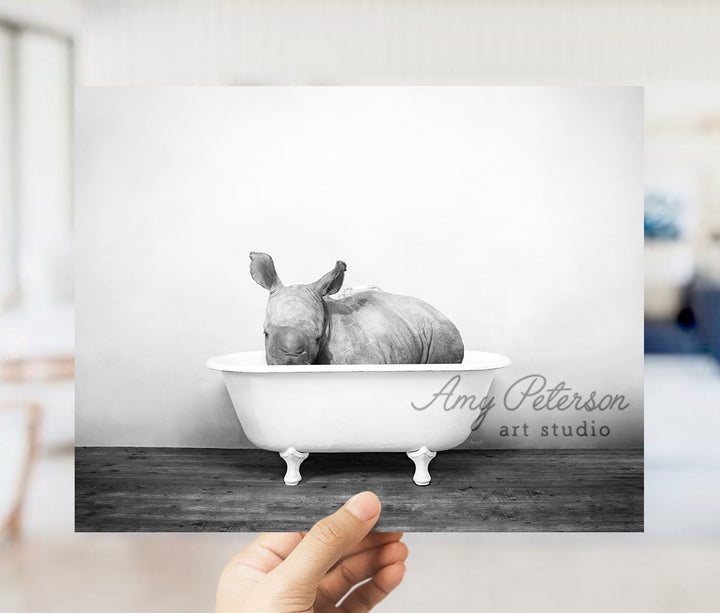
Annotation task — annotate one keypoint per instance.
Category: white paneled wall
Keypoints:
(36, 193)
(44, 136)
(160, 42)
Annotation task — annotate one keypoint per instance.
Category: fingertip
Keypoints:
(391, 576)
(398, 571)
(365, 506)
(396, 551)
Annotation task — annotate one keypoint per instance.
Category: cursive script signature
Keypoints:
(532, 390)
(459, 401)
(535, 390)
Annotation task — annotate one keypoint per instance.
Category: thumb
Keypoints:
(328, 541)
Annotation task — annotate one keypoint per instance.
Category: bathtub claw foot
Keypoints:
(293, 458)
(422, 458)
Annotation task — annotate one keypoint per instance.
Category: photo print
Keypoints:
(287, 295)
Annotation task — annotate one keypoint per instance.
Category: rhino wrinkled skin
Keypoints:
(304, 326)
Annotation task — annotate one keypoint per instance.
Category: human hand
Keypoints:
(295, 573)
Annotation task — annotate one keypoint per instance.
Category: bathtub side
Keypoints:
(358, 411)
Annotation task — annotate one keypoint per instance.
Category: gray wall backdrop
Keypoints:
(516, 211)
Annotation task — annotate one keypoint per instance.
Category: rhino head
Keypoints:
(295, 314)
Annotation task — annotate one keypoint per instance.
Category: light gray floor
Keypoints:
(673, 567)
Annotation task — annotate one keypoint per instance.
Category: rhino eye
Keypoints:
(265, 333)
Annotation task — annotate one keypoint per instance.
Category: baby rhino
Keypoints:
(304, 326)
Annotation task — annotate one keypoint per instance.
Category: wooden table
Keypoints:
(23, 372)
(120, 489)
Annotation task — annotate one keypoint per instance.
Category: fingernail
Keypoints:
(364, 505)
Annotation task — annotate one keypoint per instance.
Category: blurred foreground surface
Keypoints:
(167, 574)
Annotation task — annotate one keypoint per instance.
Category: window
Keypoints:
(36, 76)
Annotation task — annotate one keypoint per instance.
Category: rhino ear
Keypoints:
(332, 281)
(262, 270)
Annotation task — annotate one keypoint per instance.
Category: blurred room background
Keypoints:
(48, 46)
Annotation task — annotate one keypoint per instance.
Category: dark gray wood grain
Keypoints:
(143, 489)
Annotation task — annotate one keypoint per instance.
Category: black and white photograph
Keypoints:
(286, 295)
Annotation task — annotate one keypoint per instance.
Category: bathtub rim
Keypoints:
(254, 362)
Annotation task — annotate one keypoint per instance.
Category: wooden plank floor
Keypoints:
(122, 489)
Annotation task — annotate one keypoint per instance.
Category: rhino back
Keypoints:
(376, 327)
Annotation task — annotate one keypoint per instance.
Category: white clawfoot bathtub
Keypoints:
(418, 409)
